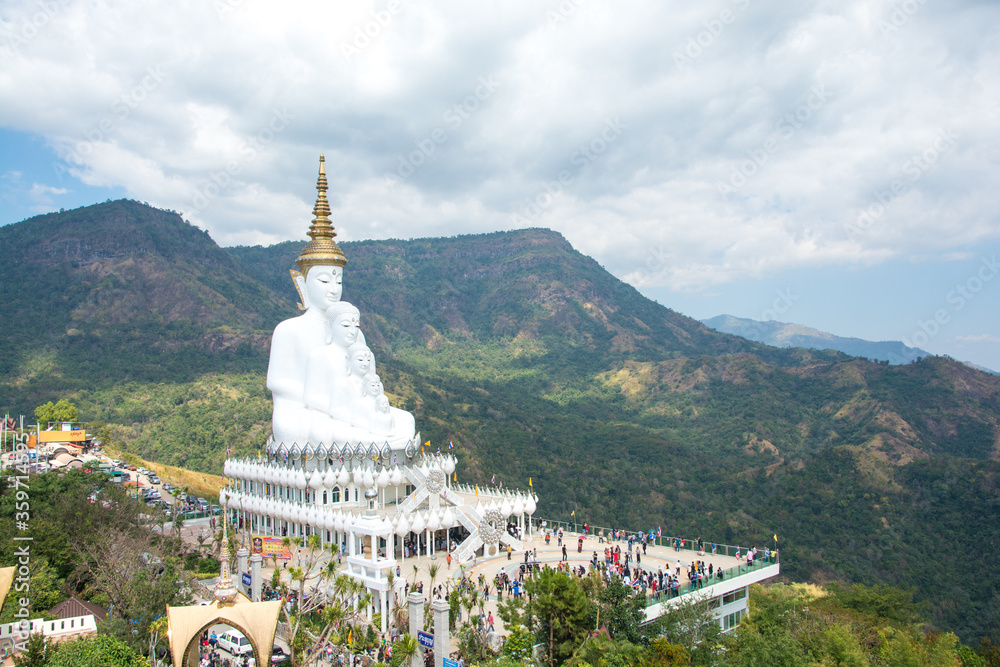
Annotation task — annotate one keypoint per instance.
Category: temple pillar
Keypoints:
(256, 579)
(442, 632)
(241, 563)
(416, 604)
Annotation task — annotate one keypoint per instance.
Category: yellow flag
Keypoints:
(454, 477)
(477, 492)
(529, 482)
(573, 513)
(427, 444)
(349, 635)
(775, 537)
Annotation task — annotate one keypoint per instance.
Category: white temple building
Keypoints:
(345, 465)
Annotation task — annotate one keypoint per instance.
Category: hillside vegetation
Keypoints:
(537, 363)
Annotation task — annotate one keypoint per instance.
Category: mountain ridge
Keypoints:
(537, 363)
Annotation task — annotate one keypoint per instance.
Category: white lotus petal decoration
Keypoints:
(383, 479)
(359, 478)
(368, 479)
(529, 505)
(448, 465)
(433, 521)
(330, 478)
(403, 527)
(316, 483)
(418, 523)
(343, 477)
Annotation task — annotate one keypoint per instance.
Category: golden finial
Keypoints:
(322, 249)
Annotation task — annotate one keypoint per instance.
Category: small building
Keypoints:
(75, 607)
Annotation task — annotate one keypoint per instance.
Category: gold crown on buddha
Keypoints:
(321, 249)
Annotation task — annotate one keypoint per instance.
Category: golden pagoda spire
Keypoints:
(225, 590)
(322, 249)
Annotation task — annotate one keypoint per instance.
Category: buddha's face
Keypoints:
(360, 362)
(324, 285)
(373, 385)
(345, 330)
(382, 403)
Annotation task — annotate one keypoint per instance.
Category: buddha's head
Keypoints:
(372, 385)
(382, 403)
(324, 286)
(361, 360)
(342, 324)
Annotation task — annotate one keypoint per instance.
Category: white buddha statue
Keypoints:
(320, 285)
(319, 361)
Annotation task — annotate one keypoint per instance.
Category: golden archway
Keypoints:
(256, 620)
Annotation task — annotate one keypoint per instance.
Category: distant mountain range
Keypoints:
(537, 363)
(783, 334)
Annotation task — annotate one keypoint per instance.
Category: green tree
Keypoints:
(622, 610)
(840, 648)
(558, 611)
(662, 653)
(517, 646)
(36, 653)
(100, 651)
(689, 623)
(62, 411)
(883, 601)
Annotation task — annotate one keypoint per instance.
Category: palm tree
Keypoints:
(398, 611)
(407, 647)
(432, 570)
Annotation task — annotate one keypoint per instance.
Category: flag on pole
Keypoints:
(529, 483)
(573, 513)
(451, 445)
(227, 450)
(501, 484)
(659, 532)
(775, 537)
(439, 451)
(477, 492)
(493, 480)
(427, 444)
(454, 477)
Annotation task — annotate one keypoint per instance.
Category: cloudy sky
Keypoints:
(833, 164)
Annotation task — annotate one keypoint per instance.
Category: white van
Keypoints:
(235, 643)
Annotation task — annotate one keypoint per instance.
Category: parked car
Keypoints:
(279, 657)
(235, 643)
(153, 479)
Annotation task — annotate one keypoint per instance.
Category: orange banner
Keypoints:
(269, 547)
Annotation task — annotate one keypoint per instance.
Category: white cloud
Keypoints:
(980, 338)
(177, 100)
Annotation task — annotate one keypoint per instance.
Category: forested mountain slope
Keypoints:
(535, 362)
